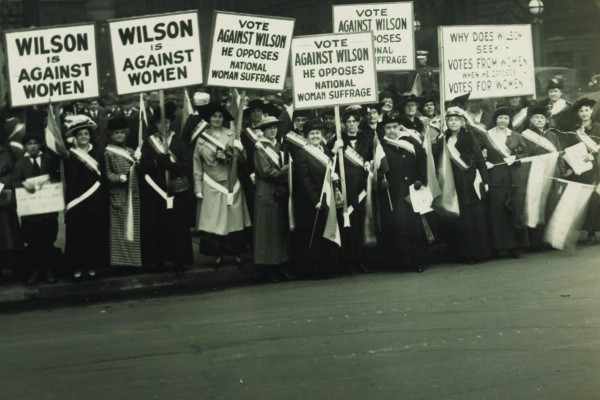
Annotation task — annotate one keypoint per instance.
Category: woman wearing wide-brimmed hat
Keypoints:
(468, 234)
(165, 186)
(271, 232)
(503, 147)
(86, 245)
(223, 214)
(124, 198)
(587, 131)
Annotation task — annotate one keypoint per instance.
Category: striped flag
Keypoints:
(379, 160)
(332, 229)
(562, 231)
(417, 87)
(142, 121)
(538, 188)
(54, 140)
(432, 181)
(188, 109)
(447, 202)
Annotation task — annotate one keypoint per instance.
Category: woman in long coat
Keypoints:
(315, 253)
(165, 234)
(588, 132)
(223, 214)
(120, 162)
(468, 236)
(503, 147)
(271, 232)
(10, 231)
(86, 246)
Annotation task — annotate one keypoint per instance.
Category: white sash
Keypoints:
(161, 193)
(83, 197)
(352, 155)
(455, 154)
(222, 189)
(415, 135)
(296, 139)
(158, 146)
(538, 140)
(253, 136)
(199, 128)
(558, 106)
(17, 145)
(318, 154)
(86, 159)
(588, 141)
(272, 154)
(120, 152)
(401, 143)
(212, 142)
(520, 117)
(499, 146)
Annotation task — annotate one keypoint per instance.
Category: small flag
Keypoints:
(332, 229)
(447, 202)
(417, 87)
(432, 181)
(54, 140)
(188, 109)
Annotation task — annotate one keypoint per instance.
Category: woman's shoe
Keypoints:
(239, 262)
(92, 274)
(77, 276)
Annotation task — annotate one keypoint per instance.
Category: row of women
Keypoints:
(282, 180)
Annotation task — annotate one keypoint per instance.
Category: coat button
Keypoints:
(406, 178)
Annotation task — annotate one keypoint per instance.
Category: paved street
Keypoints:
(508, 329)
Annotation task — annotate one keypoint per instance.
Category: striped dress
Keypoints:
(122, 251)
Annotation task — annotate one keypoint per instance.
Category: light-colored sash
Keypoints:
(402, 144)
(120, 152)
(538, 140)
(222, 189)
(83, 197)
(199, 128)
(168, 199)
(455, 154)
(158, 146)
(296, 139)
(213, 143)
(588, 141)
(318, 155)
(352, 155)
(272, 154)
(86, 159)
(500, 147)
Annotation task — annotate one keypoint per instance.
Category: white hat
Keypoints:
(422, 53)
(201, 98)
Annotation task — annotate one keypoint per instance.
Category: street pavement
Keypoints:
(505, 329)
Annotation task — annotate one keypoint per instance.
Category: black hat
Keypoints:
(326, 111)
(311, 125)
(503, 111)
(302, 114)
(555, 83)
(32, 135)
(117, 124)
(419, 100)
(206, 111)
(390, 119)
(351, 113)
(461, 100)
(170, 111)
(535, 110)
(582, 103)
(386, 94)
(253, 105)
(374, 106)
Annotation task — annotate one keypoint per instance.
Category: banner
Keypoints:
(156, 52)
(392, 27)
(249, 51)
(47, 199)
(333, 70)
(486, 60)
(57, 63)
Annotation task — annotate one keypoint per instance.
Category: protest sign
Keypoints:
(392, 27)
(156, 52)
(333, 70)
(57, 63)
(486, 60)
(47, 199)
(249, 51)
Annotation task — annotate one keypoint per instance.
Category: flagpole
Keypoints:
(338, 134)
(140, 126)
(332, 166)
(163, 128)
(232, 179)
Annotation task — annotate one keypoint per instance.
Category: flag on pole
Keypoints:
(379, 160)
(142, 121)
(54, 140)
(563, 229)
(538, 188)
(432, 181)
(188, 109)
(447, 202)
(332, 229)
(417, 86)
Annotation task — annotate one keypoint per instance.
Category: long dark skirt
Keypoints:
(468, 234)
(591, 223)
(504, 234)
(86, 234)
(318, 256)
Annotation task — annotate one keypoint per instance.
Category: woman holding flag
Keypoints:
(315, 205)
(86, 246)
(119, 165)
(503, 147)
(468, 234)
(164, 165)
(223, 214)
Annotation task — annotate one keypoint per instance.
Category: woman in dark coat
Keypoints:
(468, 234)
(271, 232)
(86, 246)
(588, 132)
(10, 231)
(165, 186)
(503, 147)
(315, 253)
